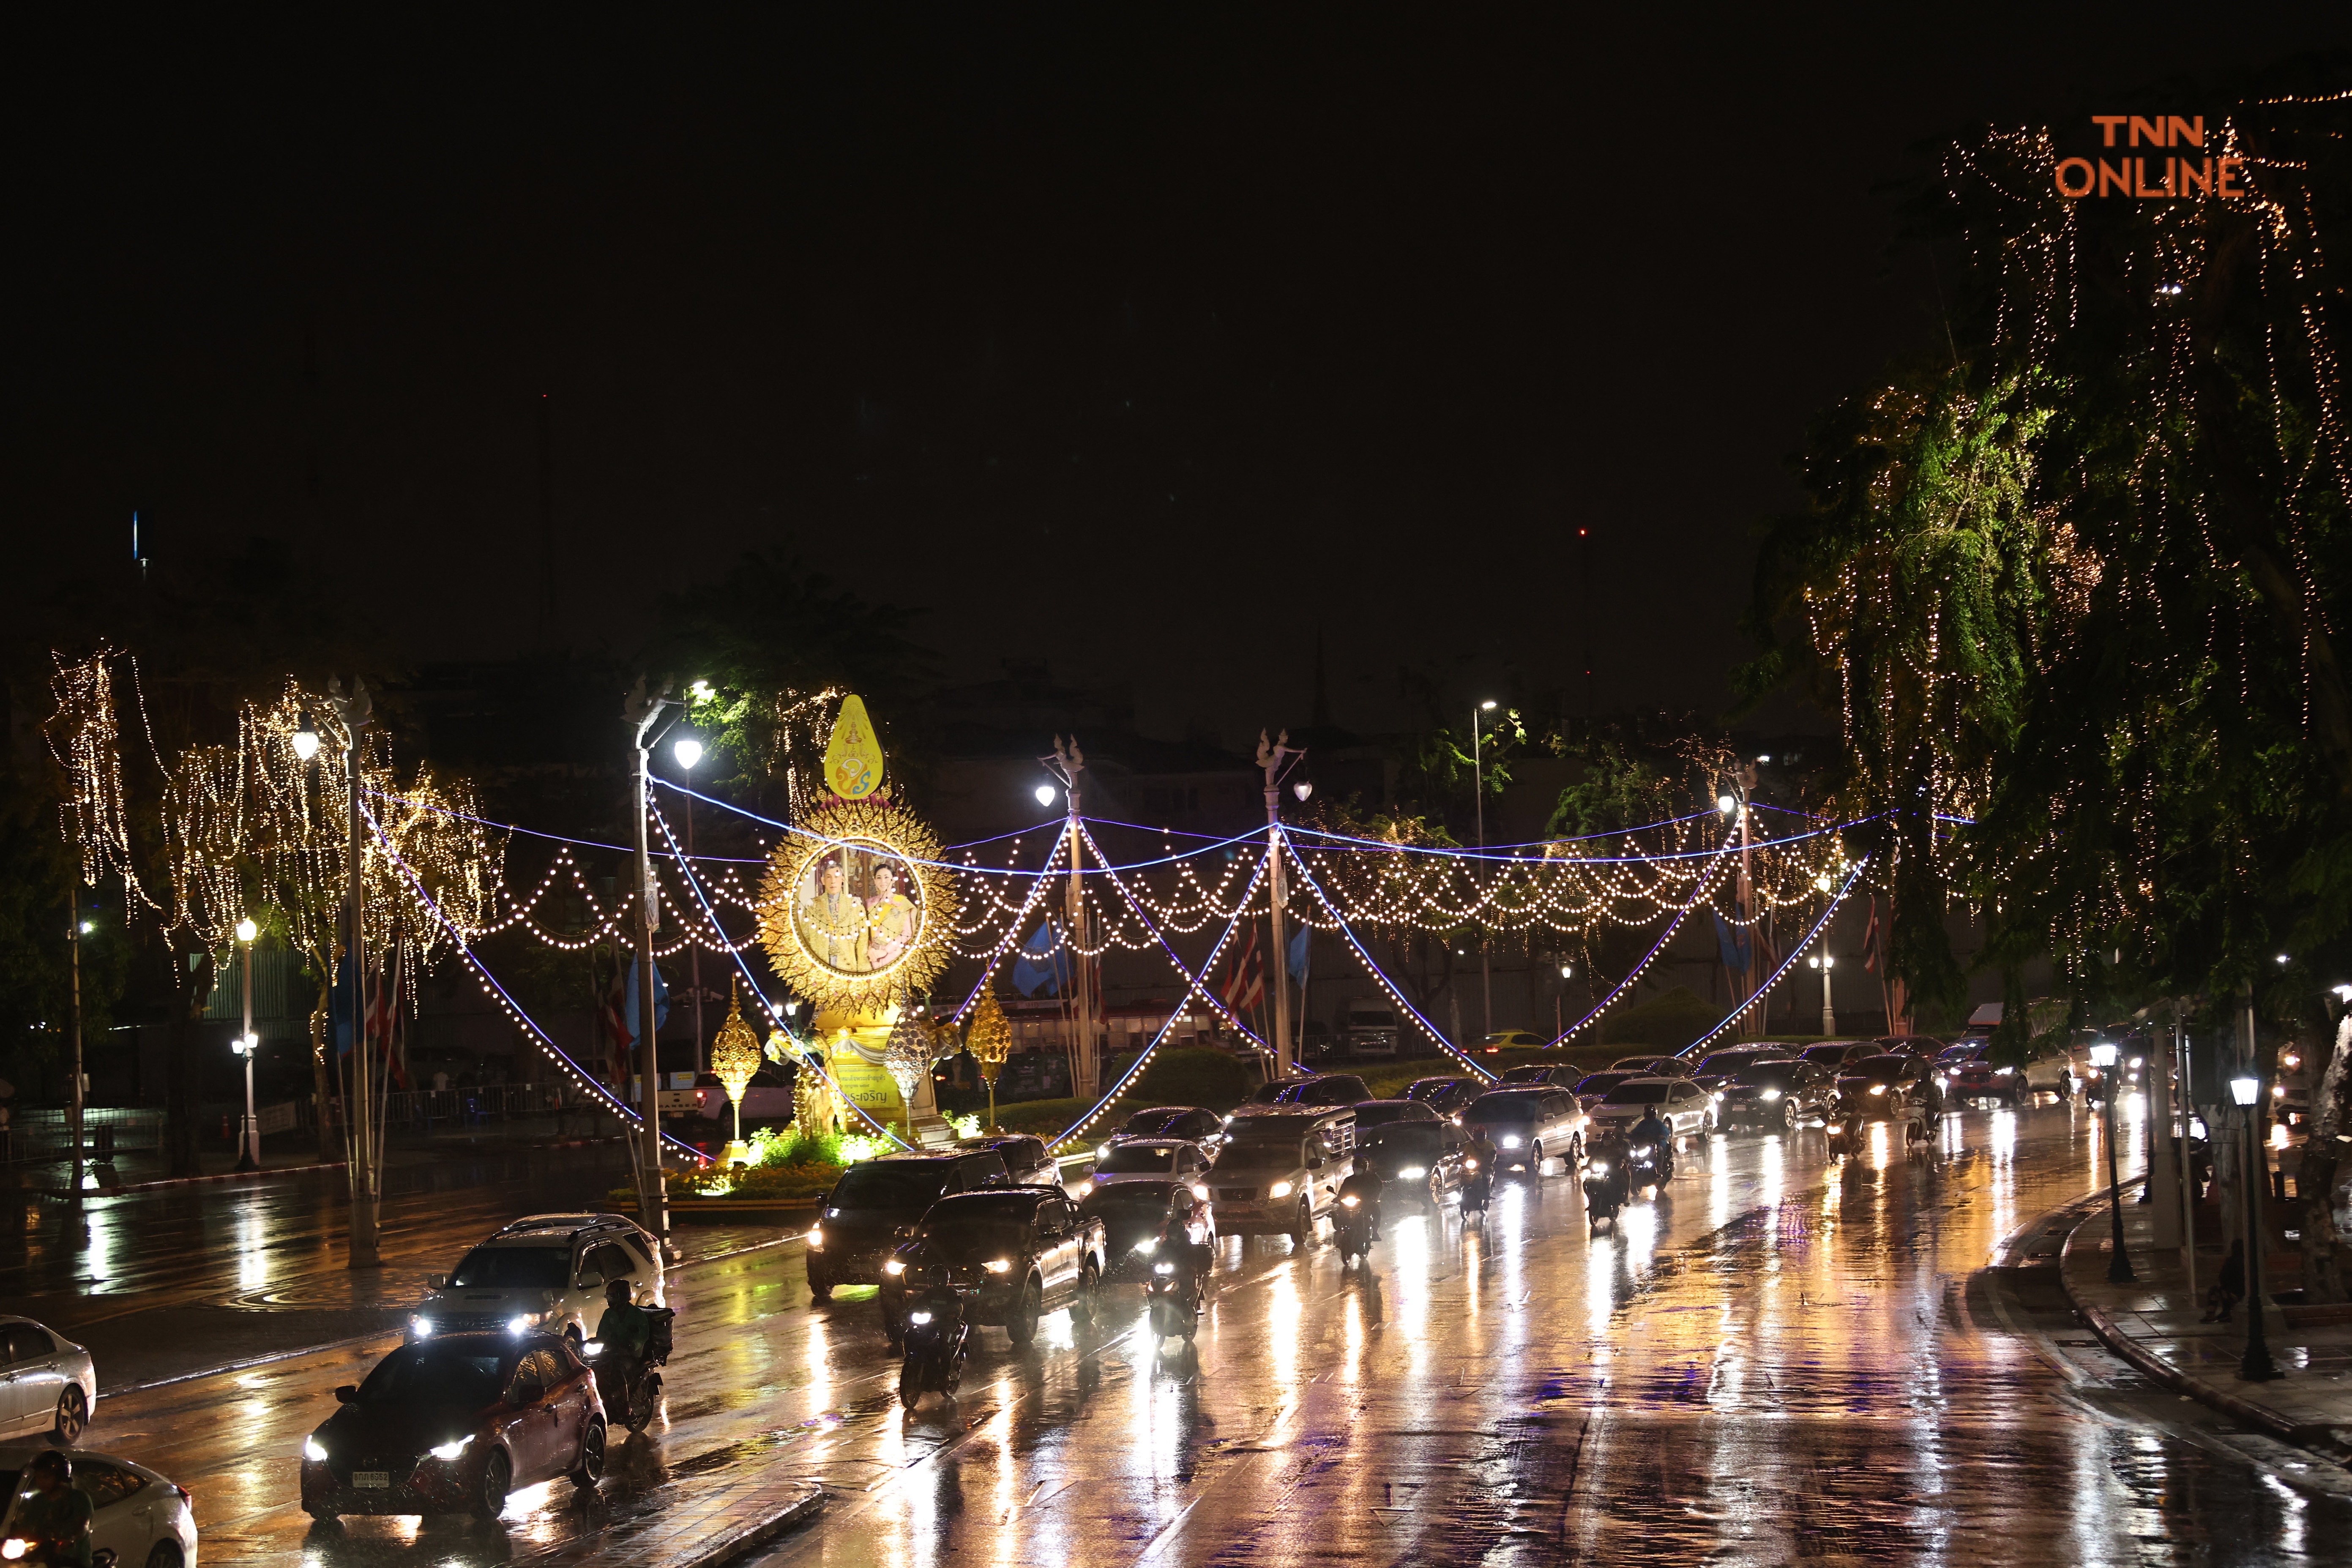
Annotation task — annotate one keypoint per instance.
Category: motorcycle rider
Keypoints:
(1363, 1185)
(917, 1261)
(625, 1334)
(1481, 1152)
(1653, 1133)
(55, 1516)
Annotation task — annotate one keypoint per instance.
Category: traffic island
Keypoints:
(2154, 1323)
(698, 1524)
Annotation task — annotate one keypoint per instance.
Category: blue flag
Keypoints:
(1042, 966)
(636, 1008)
(1736, 942)
(1299, 951)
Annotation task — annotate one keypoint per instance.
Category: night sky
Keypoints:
(1148, 340)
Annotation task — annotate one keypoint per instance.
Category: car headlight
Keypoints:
(1199, 1191)
(1769, 1095)
(1718, 1097)
(2002, 1072)
(1412, 1173)
(314, 1450)
(13, 1548)
(521, 1322)
(1878, 1089)
(919, 1316)
(1279, 1190)
(1102, 1151)
(1085, 1186)
(1510, 1140)
(1147, 1243)
(421, 1326)
(892, 1265)
(999, 1265)
(816, 1238)
(454, 1447)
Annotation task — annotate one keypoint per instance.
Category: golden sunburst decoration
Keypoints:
(854, 910)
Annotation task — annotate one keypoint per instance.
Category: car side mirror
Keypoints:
(585, 1283)
(346, 1393)
(436, 1281)
(1314, 1164)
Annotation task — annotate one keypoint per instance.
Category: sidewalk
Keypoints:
(146, 1170)
(2153, 1324)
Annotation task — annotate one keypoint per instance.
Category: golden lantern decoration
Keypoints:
(990, 1041)
(734, 1058)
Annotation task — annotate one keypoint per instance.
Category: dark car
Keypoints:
(1026, 1161)
(1530, 1125)
(453, 1425)
(1654, 1066)
(1975, 1079)
(1150, 1159)
(1187, 1121)
(1888, 1089)
(1926, 1047)
(854, 1231)
(1446, 1096)
(1325, 1089)
(1719, 1066)
(1419, 1157)
(1835, 1053)
(1023, 1251)
(1537, 1072)
(1775, 1096)
(1593, 1087)
(1134, 1215)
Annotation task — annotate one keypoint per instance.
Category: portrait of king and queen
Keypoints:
(854, 910)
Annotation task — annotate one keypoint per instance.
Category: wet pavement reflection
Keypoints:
(1784, 1357)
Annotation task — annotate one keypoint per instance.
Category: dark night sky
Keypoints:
(1142, 339)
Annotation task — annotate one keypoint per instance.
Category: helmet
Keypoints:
(52, 1461)
(616, 1291)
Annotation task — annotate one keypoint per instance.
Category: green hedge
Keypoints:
(1667, 1022)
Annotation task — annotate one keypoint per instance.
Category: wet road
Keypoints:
(1786, 1358)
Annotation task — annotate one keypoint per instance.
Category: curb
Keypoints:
(63, 1194)
(751, 1537)
(2301, 1434)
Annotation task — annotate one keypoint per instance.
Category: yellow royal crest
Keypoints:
(853, 757)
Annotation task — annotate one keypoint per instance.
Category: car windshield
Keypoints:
(433, 1374)
(1732, 1061)
(1430, 1089)
(1145, 1123)
(1829, 1056)
(1766, 1074)
(1136, 1160)
(514, 1269)
(1130, 1195)
(1636, 1064)
(1379, 1114)
(1960, 1053)
(1879, 1070)
(1420, 1137)
(1505, 1107)
(1640, 1092)
(978, 1208)
(1532, 1074)
(1266, 1155)
(883, 1185)
(1602, 1082)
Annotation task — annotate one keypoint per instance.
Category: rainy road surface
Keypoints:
(1787, 1358)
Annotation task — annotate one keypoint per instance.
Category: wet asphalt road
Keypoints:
(1785, 1357)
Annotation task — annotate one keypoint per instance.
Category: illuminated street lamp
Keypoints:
(2257, 1365)
(2119, 1269)
(687, 750)
(1478, 799)
(1045, 794)
(248, 1142)
(1825, 962)
(306, 742)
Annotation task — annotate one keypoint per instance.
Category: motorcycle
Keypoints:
(939, 1337)
(1355, 1229)
(1175, 1294)
(1604, 1185)
(1478, 1186)
(1649, 1165)
(629, 1402)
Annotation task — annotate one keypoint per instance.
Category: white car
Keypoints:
(138, 1518)
(1151, 1160)
(548, 1272)
(1684, 1106)
(47, 1382)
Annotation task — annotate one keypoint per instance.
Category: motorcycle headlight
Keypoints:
(1199, 1191)
(1350, 1200)
(1878, 1089)
(592, 1349)
(1412, 1173)
(454, 1447)
(919, 1316)
(1469, 1164)
(421, 1326)
(1163, 1268)
(1769, 1095)
(12, 1548)
(314, 1450)
(1599, 1167)
(1510, 1140)
(999, 1265)
(892, 1265)
(1279, 1190)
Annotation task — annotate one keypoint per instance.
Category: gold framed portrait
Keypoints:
(854, 910)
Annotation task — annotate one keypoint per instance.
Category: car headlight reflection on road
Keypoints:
(1279, 1190)
(314, 1450)
(1412, 1173)
(999, 1265)
(454, 1447)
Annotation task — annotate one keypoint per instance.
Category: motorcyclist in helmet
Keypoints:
(1480, 1153)
(930, 1287)
(624, 1334)
(1363, 1185)
(915, 1263)
(53, 1520)
(1653, 1133)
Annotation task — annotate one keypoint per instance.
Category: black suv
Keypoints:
(1026, 1161)
(1021, 1251)
(857, 1228)
(1449, 1097)
(1537, 1072)
(1776, 1095)
(1187, 1121)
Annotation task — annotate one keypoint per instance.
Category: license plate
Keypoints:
(371, 1478)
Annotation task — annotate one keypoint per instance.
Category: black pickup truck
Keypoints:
(1023, 1251)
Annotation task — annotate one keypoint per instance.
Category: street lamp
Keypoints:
(1302, 789)
(248, 1142)
(1478, 794)
(687, 750)
(306, 742)
(1726, 804)
(1045, 794)
(2257, 1365)
(2119, 1269)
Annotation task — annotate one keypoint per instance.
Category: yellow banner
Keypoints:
(853, 757)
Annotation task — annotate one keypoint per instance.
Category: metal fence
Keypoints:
(39, 1132)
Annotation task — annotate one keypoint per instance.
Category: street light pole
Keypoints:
(2257, 1365)
(687, 750)
(248, 1142)
(653, 1187)
(1825, 962)
(1478, 788)
(1277, 760)
(74, 930)
(2119, 1269)
(354, 712)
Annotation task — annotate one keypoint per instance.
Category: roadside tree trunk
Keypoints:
(2323, 1279)
(183, 1094)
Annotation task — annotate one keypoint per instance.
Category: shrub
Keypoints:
(1194, 1076)
(1667, 1022)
